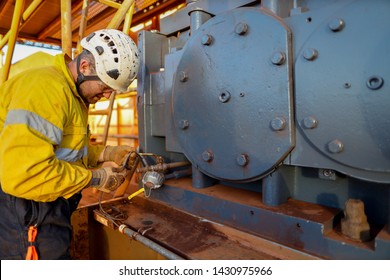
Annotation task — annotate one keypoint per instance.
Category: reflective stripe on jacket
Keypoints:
(43, 134)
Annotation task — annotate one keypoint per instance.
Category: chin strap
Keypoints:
(81, 79)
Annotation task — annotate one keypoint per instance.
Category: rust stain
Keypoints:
(183, 233)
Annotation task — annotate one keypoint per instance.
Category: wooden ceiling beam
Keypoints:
(26, 16)
(3, 6)
(99, 16)
(55, 25)
(142, 16)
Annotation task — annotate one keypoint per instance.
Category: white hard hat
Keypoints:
(116, 57)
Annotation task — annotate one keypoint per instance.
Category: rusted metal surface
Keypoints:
(221, 222)
(293, 223)
(80, 242)
(193, 237)
(303, 226)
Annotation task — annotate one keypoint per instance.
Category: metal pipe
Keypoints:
(66, 29)
(120, 14)
(83, 25)
(179, 174)
(198, 17)
(280, 8)
(12, 41)
(128, 19)
(388, 215)
(1, 54)
(148, 243)
(162, 167)
(31, 9)
(110, 3)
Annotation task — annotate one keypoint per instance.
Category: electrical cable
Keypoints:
(116, 216)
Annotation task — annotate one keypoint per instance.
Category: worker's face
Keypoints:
(93, 91)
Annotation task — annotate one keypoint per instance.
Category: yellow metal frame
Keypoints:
(1, 54)
(66, 27)
(16, 18)
(20, 18)
(25, 17)
(83, 24)
(120, 14)
(18, 21)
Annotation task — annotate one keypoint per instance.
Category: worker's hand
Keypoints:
(107, 179)
(116, 153)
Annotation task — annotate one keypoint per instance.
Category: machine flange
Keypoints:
(232, 95)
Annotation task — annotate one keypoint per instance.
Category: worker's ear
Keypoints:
(84, 66)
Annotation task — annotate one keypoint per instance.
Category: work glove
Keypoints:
(116, 153)
(107, 179)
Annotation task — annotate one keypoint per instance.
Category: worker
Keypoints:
(46, 158)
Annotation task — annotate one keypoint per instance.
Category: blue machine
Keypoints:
(282, 109)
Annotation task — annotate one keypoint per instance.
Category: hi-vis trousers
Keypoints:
(52, 220)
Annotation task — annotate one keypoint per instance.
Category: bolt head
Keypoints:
(241, 28)
(336, 24)
(206, 39)
(242, 160)
(335, 146)
(278, 58)
(278, 123)
(310, 122)
(207, 156)
(310, 54)
(183, 124)
(183, 76)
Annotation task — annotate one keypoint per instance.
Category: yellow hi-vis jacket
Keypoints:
(44, 138)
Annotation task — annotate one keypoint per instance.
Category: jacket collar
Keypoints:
(61, 61)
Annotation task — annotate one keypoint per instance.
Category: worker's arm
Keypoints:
(115, 154)
(97, 154)
(43, 144)
(94, 152)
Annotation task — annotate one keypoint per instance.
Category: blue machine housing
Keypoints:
(286, 100)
